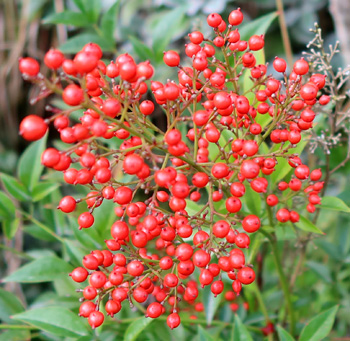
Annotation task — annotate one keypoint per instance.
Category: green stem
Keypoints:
(283, 281)
(261, 301)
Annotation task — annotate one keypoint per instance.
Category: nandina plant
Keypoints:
(189, 204)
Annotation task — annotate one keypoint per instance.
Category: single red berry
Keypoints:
(95, 319)
(279, 64)
(154, 310)
(29, 66)
(53, 59)
(173, 320)
(67, 204)
(79, 274)
(73, 95)
(251, 223)
(246, 275)
(214, 19)
(171, 58)
(32, 128)
(236, 17)
(85, 220)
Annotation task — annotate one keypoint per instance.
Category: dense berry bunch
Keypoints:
(220, 142)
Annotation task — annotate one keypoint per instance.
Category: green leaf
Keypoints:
(321, 270)
(29, 165)
(14, 187)
(240, 332)
(10, 305)
(334, 204)
(15, 335)
(77, 42)
(141, 49)
(91, 8)
(136, 327)
(211, 304)
(163, 31)
(10, 227)
(69, 18)
(283, 335)
(319, 326)
(192, 208)
(41, 190)
(44, 269)
(306, 225)
(7, 208)
(203, 335)
(104, 219)
(253, 200)
(109, 21)
(56, 320)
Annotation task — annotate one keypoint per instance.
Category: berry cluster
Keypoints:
(209, 155)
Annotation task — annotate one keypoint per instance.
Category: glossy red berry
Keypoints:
(32, 128)
(29, 66)
(95, 319)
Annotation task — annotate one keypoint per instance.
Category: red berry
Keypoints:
(171, 58)
(29, 66)
(246, 275)
(53, 59)
(67, 204)
(32, 128)
(214, 19)
(79, 274)
(236, 17)
(173, 320)
(251, 223)
(95, 319)
(73, 95)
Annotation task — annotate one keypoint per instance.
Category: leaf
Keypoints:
(14, 187)
(334, 204)
(29, 165)
(203, 335)
(10, 305)
(240, 332)
(252, 200)
(321, 270)
(163, 31)
(109, 21)
(319, 326)
(43, 189)
(211, 304)
(258, 26)
(283, 335)
(10, 227)
(141, 49)
(56, 320)
(136, 327)
(44, 269)
(7, 208)
(104, 219)
(77, 42)
(192, 208)
(91, 8)
(15, 335)
(69, 18)
(306, 225)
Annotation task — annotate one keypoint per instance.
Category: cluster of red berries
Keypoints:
(156, 245)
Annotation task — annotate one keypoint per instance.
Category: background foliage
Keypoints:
(40, 245)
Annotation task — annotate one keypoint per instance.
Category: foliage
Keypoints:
(53, 247)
